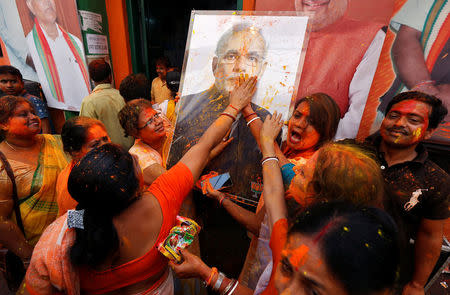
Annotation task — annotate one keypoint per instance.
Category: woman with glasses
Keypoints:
(153, 134)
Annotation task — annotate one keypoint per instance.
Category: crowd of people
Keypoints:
(83, 212)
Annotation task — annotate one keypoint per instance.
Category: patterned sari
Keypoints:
(37, 187)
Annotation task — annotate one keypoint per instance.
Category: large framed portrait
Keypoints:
(221, 47)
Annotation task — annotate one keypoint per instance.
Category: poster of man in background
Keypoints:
(11, 33)
(420, 54)
(414, 57)
(58, 56)
(341, 59)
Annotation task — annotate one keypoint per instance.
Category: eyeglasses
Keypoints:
(150, 121)
(251, 59)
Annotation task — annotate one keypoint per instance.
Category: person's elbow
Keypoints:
(431, 231)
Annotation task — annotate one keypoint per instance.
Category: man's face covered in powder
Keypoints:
(242, 54)
(406, 123)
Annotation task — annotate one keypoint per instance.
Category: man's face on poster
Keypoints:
(242, 54)
(43, 10)
(324, 11)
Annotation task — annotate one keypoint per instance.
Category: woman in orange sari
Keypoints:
(109, 244)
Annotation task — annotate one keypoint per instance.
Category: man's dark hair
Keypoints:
(11, 70)
(99, 70)
(135, 86)
(438, 110)
(163, 61)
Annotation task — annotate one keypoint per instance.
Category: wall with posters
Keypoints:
(94, 27)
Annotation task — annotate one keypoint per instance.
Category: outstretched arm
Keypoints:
(155, 170)
(273, 191)
(251, 221)
(255, 128)
(197, 157)
(194, 267)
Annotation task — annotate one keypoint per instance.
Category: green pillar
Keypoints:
(138, 36)
(240, 4)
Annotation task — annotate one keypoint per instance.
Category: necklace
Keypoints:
(23, 149)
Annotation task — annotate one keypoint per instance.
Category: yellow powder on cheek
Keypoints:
(417, 133)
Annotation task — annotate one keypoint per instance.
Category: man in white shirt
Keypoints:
(58, 57)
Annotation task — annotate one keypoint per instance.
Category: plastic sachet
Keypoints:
(180, 237)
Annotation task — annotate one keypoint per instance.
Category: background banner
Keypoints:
(421, 24)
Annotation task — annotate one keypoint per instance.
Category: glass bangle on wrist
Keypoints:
(228, 287)
(266, 159)
(218, 282)
(211, 275)
(255, 118)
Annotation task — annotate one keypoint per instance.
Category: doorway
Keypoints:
(160, 28)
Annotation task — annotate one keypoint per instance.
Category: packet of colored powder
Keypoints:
(180, 237)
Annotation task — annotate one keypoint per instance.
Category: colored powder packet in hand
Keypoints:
(180, 237)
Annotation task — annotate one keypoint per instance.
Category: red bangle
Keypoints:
(228, 115)
(221, 200)
(233, 107)
(214, 270)
(249, 115)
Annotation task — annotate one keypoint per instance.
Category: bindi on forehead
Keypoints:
(303, 108)
(297, 257)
